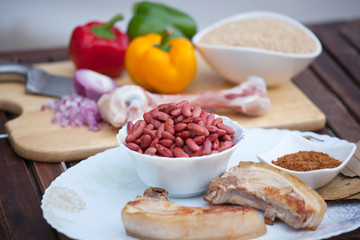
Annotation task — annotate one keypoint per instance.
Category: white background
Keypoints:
(39, 24)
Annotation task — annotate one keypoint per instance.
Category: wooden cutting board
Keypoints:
(34, 137)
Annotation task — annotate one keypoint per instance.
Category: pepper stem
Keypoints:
(113, 20)
(164, 39)
(104, 31)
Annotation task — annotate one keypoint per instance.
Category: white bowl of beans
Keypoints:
(179, 147)
(313, 163)
(272, 46)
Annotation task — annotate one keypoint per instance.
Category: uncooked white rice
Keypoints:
(264, 33)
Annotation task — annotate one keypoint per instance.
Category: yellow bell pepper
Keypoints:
(159, 65)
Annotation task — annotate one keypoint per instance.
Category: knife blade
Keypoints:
(39, 81)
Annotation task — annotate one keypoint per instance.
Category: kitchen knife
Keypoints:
(38, 81)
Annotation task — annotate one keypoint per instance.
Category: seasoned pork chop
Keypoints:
(154, 217)
(277, 193)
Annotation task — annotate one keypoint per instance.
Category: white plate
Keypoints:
(85, 202)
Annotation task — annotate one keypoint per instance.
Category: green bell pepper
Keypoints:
(152, 17)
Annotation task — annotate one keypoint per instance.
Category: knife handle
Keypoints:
(12, 71)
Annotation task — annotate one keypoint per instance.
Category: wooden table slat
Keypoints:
(339, 83)
(351, 32)
(338, 118)
(4, 227)
(19, 199)
(340, 48)
(3, 119)
(46, 173)
(35, 56)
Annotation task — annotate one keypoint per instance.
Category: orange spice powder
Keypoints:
(306, 161)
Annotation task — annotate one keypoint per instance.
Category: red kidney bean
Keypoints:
(192, 134)
(179, 142)
(176, 112)
(151, 133)
(201, 123)
(216, 121)
(154, 142)
(183, 102)
(166, 142)
(136, 124)
(180, 127)
(149, 119)
(132, 146)
(192, 145)
(185, 134)
(150, 127)
(203, 115)
(221, 132)
(216, 144)
(167, 107)
(187, 150)
(179, 152)
(150, 151)
(195, 128)
(130, 138)
(160, 130)
(226, 145)
(139, 128)
(213, 137)
(207, 146)
(169, 126)
(199, 153)
(161, 116)
(180, 119)
(186, 110)
(163, 151)
(226, 137)
(145, 141)
(210, 119)
(206, 132)
(226, 128)
(130, 127)
(170, 108)
(192, 120)
(212, 129)
(199, 139)
(167, 135)
(196, 111)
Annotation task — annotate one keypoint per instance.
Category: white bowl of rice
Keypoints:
(266, 44)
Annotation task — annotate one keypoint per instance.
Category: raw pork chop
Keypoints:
(277, 193)
(153, 216)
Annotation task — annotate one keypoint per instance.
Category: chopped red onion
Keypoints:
(75, 110)
(92, 84)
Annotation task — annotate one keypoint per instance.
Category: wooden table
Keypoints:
(332, 82)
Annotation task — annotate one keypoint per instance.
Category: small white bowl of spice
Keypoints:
(313, 163)
(266, 44)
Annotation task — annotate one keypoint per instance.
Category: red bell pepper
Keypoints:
(100, 47)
